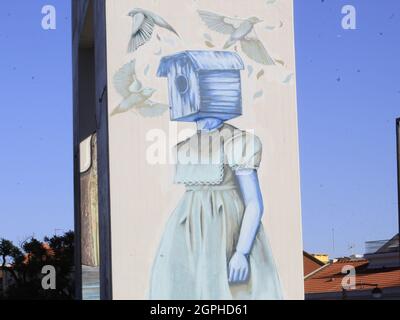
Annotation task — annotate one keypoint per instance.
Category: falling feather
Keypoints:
(260, 74)
(270, 28)
(250, 70)
(208, 37)
(288, 79)
(146, 70)
(258, 94)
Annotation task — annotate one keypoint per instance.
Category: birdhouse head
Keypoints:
(203, 84)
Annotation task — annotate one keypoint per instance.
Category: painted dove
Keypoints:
(135, 95)
(144, 22)
(241, 30)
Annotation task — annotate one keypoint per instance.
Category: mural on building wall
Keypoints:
(214, 245)
(241, 31)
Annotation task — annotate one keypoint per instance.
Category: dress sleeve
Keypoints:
(243, 151)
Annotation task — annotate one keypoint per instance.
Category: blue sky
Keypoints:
(348, 99)
(36, 121)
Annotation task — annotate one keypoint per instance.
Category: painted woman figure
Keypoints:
(214, 246)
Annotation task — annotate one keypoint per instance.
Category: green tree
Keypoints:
(9, 253)
(26, 264)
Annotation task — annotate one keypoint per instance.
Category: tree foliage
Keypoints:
(25, 263)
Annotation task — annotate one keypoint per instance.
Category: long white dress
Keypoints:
(201, 234)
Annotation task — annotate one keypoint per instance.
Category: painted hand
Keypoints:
(238, 268)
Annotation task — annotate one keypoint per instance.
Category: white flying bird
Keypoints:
(241, 30)
(135, 96)
(143, 26)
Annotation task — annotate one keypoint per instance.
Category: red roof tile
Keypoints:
(329, 279)
(311, 264)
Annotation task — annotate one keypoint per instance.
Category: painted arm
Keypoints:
(254, 208)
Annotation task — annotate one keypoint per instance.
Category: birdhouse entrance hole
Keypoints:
(182, 84)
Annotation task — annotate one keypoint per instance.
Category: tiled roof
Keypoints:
(311, 264)
(329, 278)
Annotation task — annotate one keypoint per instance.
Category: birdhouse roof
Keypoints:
(203, 60)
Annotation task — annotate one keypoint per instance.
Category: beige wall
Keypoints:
(142, 195)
